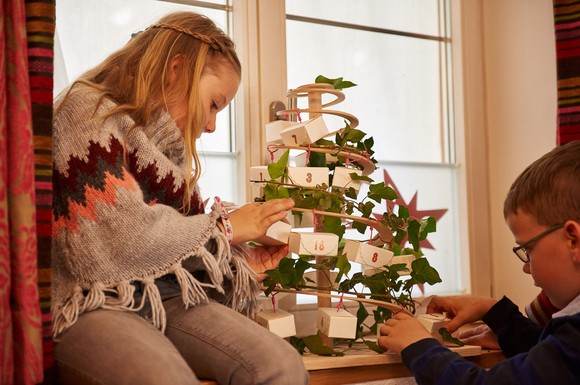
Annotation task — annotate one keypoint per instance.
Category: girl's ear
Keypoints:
(572, 229)
(175, 68)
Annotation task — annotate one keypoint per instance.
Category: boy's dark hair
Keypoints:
(549, 188)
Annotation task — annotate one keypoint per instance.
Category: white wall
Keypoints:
(521, 100)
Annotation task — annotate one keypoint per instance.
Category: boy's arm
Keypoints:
(515, 332)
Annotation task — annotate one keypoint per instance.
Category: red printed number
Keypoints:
(375, 257)
(319, 245)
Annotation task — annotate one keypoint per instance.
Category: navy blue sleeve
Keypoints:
(515, 333)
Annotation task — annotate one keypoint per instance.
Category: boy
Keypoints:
(542, 209)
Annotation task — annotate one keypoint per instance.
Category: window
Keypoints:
(399, 55)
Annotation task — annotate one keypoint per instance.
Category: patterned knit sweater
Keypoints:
(117, 218)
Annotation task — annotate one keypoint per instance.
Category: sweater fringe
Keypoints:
(223, 264)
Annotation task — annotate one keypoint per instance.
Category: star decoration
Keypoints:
(412, 206)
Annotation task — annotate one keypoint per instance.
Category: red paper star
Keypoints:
(412, 206)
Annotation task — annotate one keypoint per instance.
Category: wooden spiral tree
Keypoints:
(333, 207)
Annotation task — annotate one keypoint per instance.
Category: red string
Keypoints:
(272, 151)
(339, 306)
(308, 156)
(371, 237)
(314, 219)
(298, 115)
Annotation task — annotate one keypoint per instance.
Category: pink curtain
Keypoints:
(24, 188)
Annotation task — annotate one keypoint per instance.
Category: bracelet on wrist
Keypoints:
(225, 219)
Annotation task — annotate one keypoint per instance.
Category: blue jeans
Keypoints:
(209, 341)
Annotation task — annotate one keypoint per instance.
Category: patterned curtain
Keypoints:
(567, 24)
(26, 44)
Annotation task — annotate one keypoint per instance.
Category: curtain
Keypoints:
(567, 25)
(26, 39)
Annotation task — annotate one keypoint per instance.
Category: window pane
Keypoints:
(414, 16)
(88, 32)
(218, 177)
(398, 97)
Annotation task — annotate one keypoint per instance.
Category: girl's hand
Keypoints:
(262, 258)
(251, 221)
(400, 331)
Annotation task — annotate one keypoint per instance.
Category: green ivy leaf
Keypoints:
(337, 83)
(379, 191)
(447, 337)
(277, 169)
(374, 347)
(343, 266)
(316, 159)
(428, 225)
(361, 227)
(423, 272)
(355, 176)
(314, 345)
(298, 344)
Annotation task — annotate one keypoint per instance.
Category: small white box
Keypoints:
(305, 133)
(313, 275)
(308, 176)
(336, 324)
(283, 301)
(276, 235)
(279, 322)
(259, 175)
(342, 179)
(304, 221)
(406, 259)
(323, 244)
(433, 322)
(273, 130)
(300, 160)
(366, 254)
(256, 191)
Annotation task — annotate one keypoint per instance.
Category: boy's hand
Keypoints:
(401, 331)
(480, 335)
(462, 309)
(252, 220)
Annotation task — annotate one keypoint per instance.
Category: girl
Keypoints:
(147, 288)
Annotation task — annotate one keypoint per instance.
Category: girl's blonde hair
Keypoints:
(136, 76)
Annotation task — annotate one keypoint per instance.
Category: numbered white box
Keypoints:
(366, 254)
(322, 244)
(308, 176)
(259, 175)
(278, 322)
(273, 130)
(276, 235)
(304, 133)
(313, 275)
(336, 324)
(341, 178)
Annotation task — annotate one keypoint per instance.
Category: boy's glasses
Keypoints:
(521, 251)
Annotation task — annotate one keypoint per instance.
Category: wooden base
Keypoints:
(363, 366)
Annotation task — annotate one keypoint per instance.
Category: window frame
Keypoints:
(259, 30)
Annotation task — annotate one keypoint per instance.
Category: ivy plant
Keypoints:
(388, 284)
